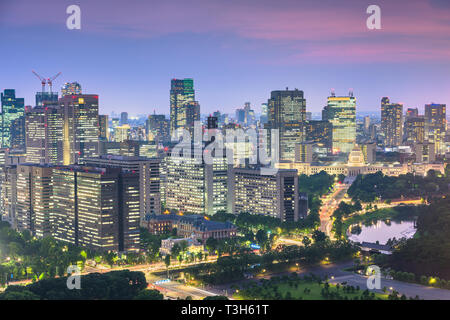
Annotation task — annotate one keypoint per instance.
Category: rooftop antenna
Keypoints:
(350, 93)
(333, 93)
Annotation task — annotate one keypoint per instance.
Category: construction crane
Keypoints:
(50, 80)
(43, 81)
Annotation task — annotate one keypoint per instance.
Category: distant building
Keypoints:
(425, 152)
(193, 245)
(391, 122)
(321, 133)
(72, 88)
(46, 97)
(436, 120)
(124, 118)
(184, 110)
(122, 133)
(304, 152)
(415, 130)
(157, 128)
(103, 123)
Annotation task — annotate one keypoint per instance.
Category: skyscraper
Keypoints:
(435, 115)
(81, 128)
(414, 130)
(44, 128)
(391, 122)
(287, 113)
(341, 112)
(72, 88)
(104, 127)
(182, 98)
(12, 108)
(43, 97)
(124, 118)
(157, 128)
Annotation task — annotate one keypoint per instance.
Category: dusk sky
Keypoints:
(236, 51)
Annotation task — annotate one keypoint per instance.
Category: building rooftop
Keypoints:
(199, 222)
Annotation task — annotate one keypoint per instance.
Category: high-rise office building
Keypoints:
(304, 152)
(369, 151)
(341, 112)
(12, 109)
(412, 112)
(17, 132)
(44, 128)
(149, 177)
(81, 128)
(391, 122)
(71, 88)
(270, 195)
(194, 186)
(414, 130)
(182, 101)
(97, 208)
(103, 123)
(287, 113)
(425, 152)
(320, 132)
(124, 118)
(436, 121)
(122, 133)
(157, 128)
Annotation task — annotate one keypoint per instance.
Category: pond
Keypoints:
(383, 231)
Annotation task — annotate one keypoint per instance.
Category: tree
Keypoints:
(261, 237)
(306, 241)
(319, 236)
(211, 244)
(149, 295)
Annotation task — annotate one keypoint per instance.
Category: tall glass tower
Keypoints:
(182, 105)
(12, 109)
(341, 112)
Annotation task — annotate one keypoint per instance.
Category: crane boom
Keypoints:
(50, 80)
(43, 81)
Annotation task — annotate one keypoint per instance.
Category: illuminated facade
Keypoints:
(122, 133)
(287, 113)
(71, 88)
(341, 112)
(44, 127)
(183, 107)
(414, 130)
(435, 115)
(81, 128)
(104, 127)
(157, 128)
(270, 195)
(12, 109)
(149, 178)
(193, 186)
(391, 122)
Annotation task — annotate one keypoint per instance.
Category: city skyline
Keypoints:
(128, 55)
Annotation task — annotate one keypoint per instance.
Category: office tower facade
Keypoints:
(366, 125)
(414, 130)
(46, 97)
(320, 132)
(436, 122)
(44, 127)
(304, 152)
(391, 122)
(96, 208)
(71, 88)
(81, 129)
(34, 198)
(122, 133)
(157, 128)
(341, 112)
(18, 135)
(274, 195)
(369, 151)
(182, 95)
(149, 178)
(124, 118)
(12, 109)
(287, 113)
(425, 152)
(103, 123)
(193, 186)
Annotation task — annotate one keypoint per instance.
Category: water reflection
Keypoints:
(382, 231)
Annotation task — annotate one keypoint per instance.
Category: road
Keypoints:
(330, 203)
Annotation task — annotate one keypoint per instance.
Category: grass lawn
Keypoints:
(305, 290)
